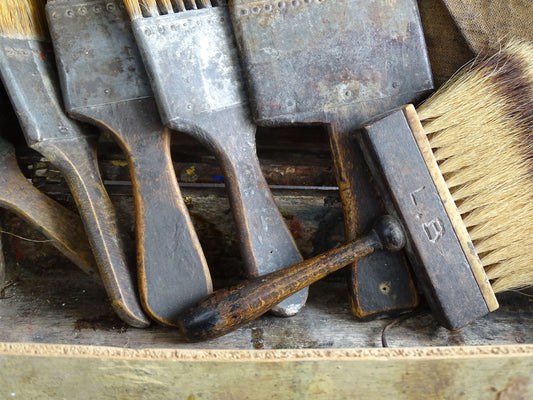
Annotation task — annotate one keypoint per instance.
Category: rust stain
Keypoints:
(516, 389)
(296, 229)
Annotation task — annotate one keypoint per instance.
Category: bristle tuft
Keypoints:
(134, 9)
(23, 19)
(165, 6)
(149, 8)
(480, 127)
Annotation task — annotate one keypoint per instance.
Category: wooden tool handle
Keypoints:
(173, 272)
(63, 227)
(227, 309)
(76, 159)
(266, 242)
(382, 282)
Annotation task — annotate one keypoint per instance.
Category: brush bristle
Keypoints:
(23, 19)
(153, 8)
(480, 127)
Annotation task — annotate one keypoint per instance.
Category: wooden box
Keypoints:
(60, 339)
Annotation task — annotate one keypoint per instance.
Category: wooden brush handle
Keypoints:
(76, 159)
(266, 242)
(61, 226)
(227, 309)
(172, 270)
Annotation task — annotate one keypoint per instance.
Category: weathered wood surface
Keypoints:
(50, 304)
(53, 319)
(46, 372)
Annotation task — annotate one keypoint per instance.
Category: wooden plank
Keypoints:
(51, 371)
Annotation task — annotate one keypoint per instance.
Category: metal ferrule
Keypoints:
(97, 57)
(28, 72)
(192, 63)
(303, 59)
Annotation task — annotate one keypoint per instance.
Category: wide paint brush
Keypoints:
(338, 63)
(104, 83)
(29, 74)
(62, 227)
(189, 52)
(457, 174)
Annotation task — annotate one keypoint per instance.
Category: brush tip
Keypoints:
(23, 19)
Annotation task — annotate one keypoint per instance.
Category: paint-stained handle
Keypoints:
(76, 159)
(227, 309)
(173, 272)
(266, 242)
(61, 226)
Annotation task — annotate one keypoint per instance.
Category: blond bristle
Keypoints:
(165, 6)
(133, 8)
(23, 19)
(149, 8)
(480, 127)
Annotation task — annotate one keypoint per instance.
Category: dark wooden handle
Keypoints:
(61, 226)
(266, 242)
(76, 159)
(382, 282)
(173, 272)
(227, 309)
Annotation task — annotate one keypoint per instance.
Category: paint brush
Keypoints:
(457, 177)
(339, 63)
(28, 73)
(192, 62)
(104, 83)
(62, 227)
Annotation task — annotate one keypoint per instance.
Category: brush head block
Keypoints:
(29, 74)
(98, 60)
(480, 127)
(448, 271)
(23, 19)
(193, 66)
(328, 60)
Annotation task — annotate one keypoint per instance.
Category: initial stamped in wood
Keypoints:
(434, 229)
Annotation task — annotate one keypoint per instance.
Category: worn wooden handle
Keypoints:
(266, 242)
(61, 226)
(227, 309)
(76, 159)
(382, 282)
(173, 272)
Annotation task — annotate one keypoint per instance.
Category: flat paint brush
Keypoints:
(62, 227)
(195, 72)
(29, 75)
(104, 83)
(460, 187)
(339, 63)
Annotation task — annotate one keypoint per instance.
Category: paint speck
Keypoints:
(119, 163)
(191, 170)
(218, 178)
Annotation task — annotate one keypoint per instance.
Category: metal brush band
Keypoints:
(206, 75)
(37, 101)
(99, 62)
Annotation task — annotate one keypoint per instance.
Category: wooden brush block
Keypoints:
(446, 265)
